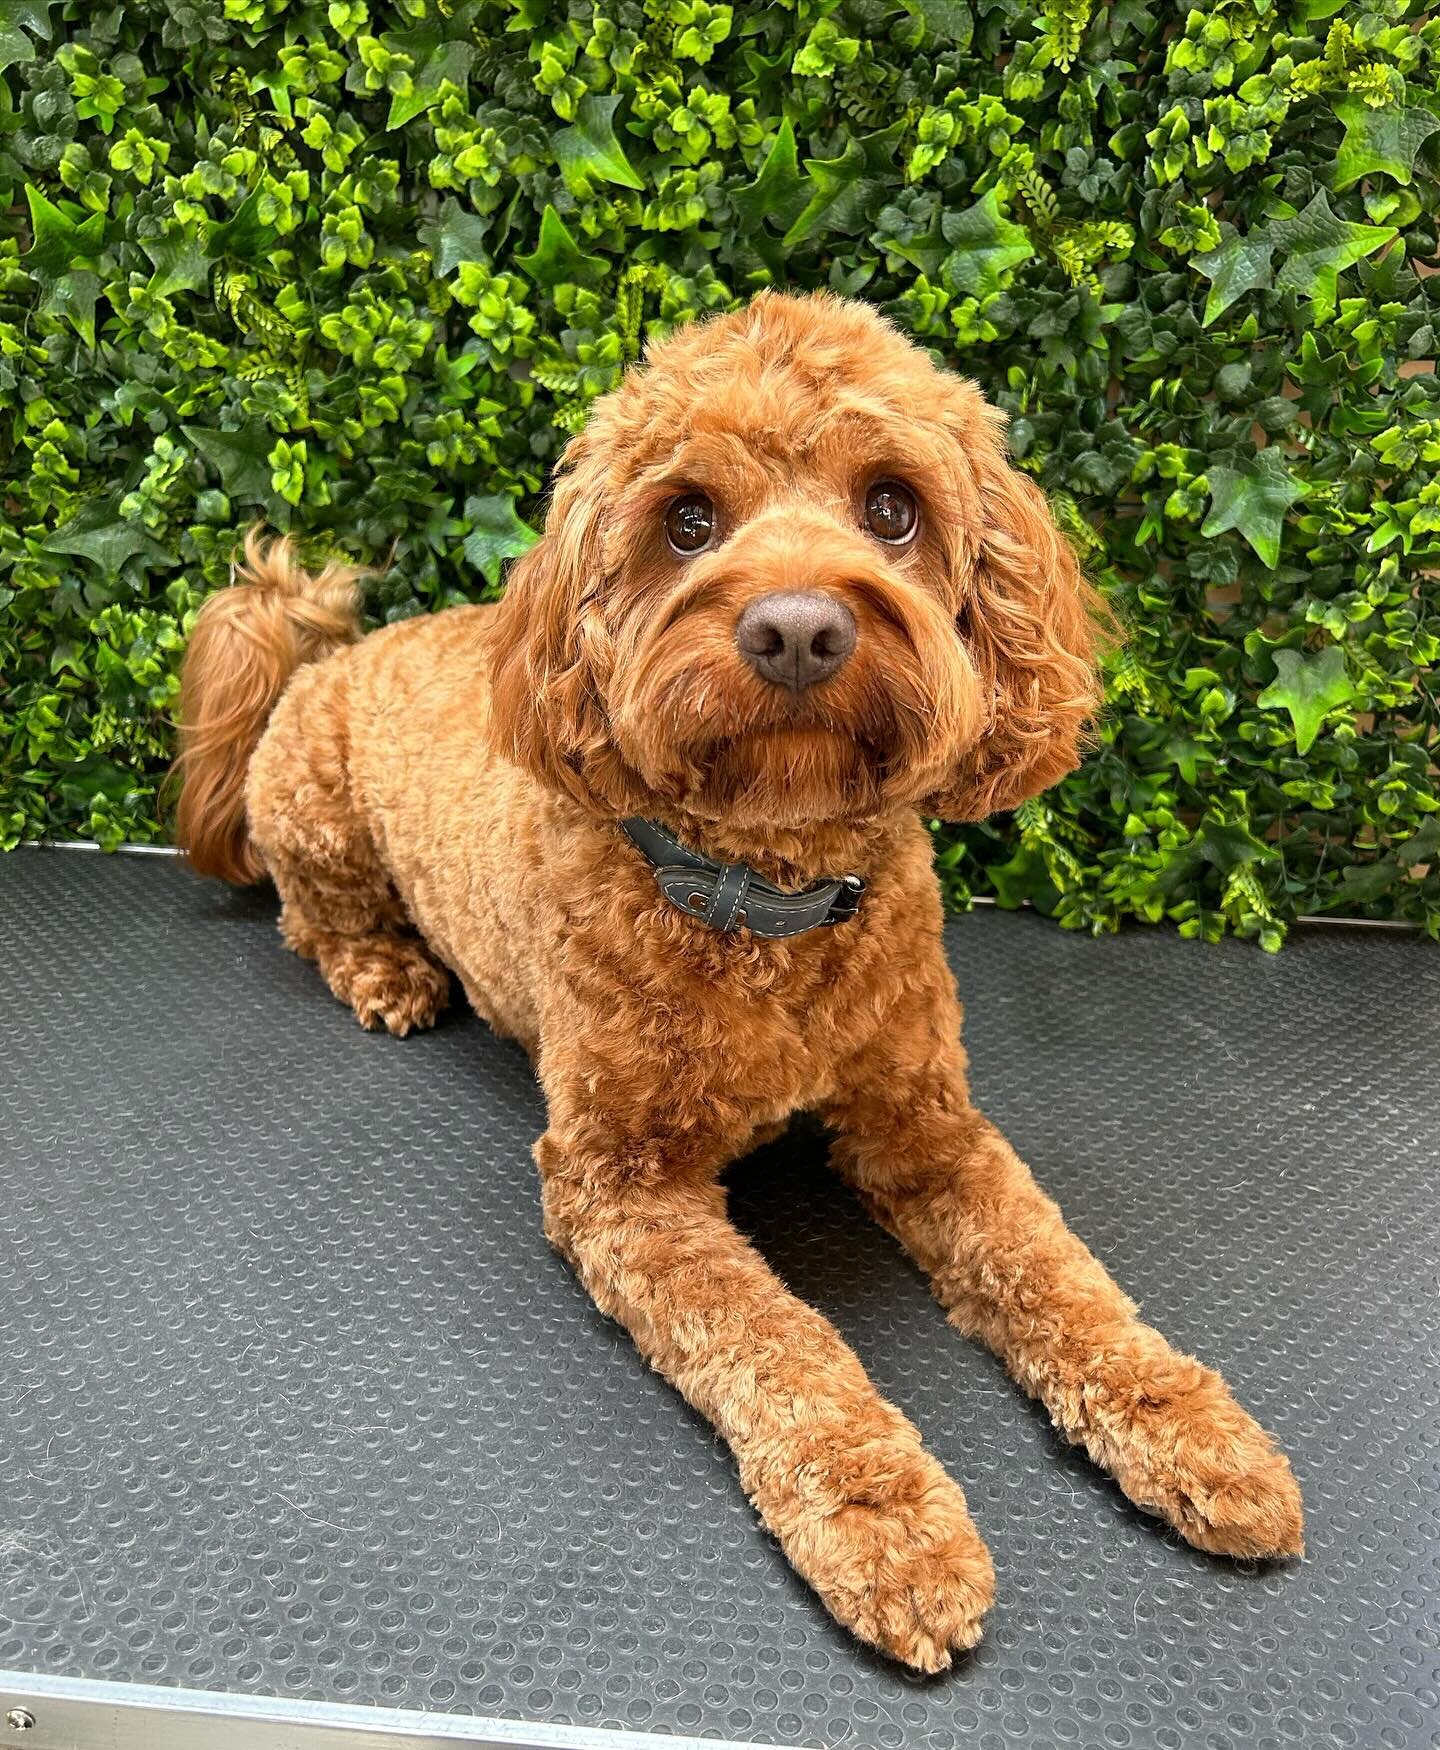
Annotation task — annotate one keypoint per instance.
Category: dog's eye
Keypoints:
(891, 513)
(690, 523)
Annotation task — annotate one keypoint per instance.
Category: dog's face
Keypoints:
(788, 577)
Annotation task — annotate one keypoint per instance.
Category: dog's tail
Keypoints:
(248, 641)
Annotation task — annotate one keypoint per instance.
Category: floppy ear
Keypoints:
(1033, 627)
(547, 650)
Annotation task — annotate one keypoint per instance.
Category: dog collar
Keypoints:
(731, 896)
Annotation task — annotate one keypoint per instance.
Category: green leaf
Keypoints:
(15, 47)
(947, 21)
(1424, 847)
(985, 246)
(1228, 846)
(450, 63)
(239, 457)
(1318, 247)
(1366, 882)
(497, 534)
(1380, 140)
(589, 152)
(98, 533)
(558, 260)
(1254, 499)
(31, 14)
(73, 296)
(841, 189)
(243, 235)
(59, 240)
(925, 249)
(779, 193)
(1239, 265)
(458, 236)
(1023, 880)
(1308, 687)
(181, 265)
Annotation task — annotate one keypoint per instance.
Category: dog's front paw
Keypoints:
(885, 1538)
(1181, 1447)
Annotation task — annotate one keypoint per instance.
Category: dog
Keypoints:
(660, 810)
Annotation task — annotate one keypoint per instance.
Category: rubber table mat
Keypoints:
(295, 1400)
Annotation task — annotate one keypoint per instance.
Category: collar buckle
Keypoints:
(847, 901)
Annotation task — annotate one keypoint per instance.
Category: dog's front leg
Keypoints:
(839, 1476)
(1003, 1263)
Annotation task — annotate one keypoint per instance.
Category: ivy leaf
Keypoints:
(242, 235)
(1308, 687)
(459, 236)
(558, 260)
(450, 63)
(589, 152)
(1185, 753)
(1424, 847)
(239, 457)
(32, 14)
(1380, 140)
(1239, 265)
(842, 188)
(1228, 846)
(1223, 845)
(181, 265)
(1254, 499)
(59, 240)
(15, 47)
(1318, 247)
(985, 246)
(926, 249)
(497, 534)
(1366, 882)
(946, 21)
(1023, 880)
(779, 192)
(73, 296)
(101, 535)
(1129, 17)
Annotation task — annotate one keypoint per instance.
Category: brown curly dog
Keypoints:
(790, 597)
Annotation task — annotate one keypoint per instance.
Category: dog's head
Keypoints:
(788, 577)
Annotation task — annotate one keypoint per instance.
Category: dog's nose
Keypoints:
(795, 638)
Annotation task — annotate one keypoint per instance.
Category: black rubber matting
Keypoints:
(295, 1400)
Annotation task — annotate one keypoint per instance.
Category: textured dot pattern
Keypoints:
(295, 1400)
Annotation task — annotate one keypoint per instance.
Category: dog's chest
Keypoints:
(746, 1035)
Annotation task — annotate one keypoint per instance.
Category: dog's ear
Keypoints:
(1033, 627)
(546, 645)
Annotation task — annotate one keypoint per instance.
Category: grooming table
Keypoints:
(307, 1439)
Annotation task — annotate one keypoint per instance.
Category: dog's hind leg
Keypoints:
(339, 906)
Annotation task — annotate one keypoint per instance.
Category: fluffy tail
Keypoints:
(247, 643)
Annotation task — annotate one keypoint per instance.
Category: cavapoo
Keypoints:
(660, 811)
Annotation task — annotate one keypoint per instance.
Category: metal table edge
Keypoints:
(42, 1712)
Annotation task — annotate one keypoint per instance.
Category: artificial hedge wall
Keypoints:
(358, 268)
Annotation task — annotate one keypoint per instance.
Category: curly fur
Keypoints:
(247, 642)
(442, 797)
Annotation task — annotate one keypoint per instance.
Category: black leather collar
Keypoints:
(731, 896)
